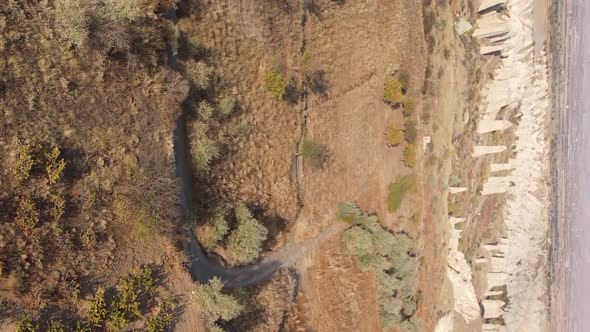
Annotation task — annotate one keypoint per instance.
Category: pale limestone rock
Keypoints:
(497, 264)
(459, 273)
(496, 279)
(491, 49)
(455, 221)
(493, 293)
(491, 188)
(491, 25)
(488, 125)
(490, 4)
(456, 190)
(501, 167)
(462, 26)
(479, 151)
(492, 308)
(445, 324)
(481, 260)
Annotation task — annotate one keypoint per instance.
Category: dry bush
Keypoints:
(227, 105)
(199, 73)
(398, 190)
(409, 106)
(72, 20)
(316, 155)
(216, 304)
(394, 136)
(410, 132)
(276, 83)
(393, 91)
(410, 155)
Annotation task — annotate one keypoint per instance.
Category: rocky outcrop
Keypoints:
(520, 84)
(479, 151)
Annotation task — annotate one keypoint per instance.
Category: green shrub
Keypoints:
(204, 111)
(215, 304)
(394, 135)
(410, 155)
(163, 319)
(227, 105)
(54, 165)
(350, 213)
(315, 154)
(409, 107)
(126, 303)
(398, 190)
(23, 164)
(27, 215)
(276, 83)
(245, 241)
(396, 268)
(55, 326)
(203, 149)
(214, 230)
(25, 324)
(410, 133)
(199, 74)
(393, 91)
(56, 207)
(98, 312)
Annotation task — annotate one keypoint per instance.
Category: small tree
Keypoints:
(394, 135)
(55, 165)
(27, 215)
(276, 83)
(215, 304)
(245, 241)
(163, 319)
(25, 324)
(227, 105)
(199, 73)
(393, 93)
(98, 313)
(214, 230)
(55, 326)
(410, 156)
(23, 163)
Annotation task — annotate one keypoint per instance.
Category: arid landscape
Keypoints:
(274, 165)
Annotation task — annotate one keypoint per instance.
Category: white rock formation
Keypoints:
(479, 151)
(459, 273)
(492, 308)
(454, 221)
(490, 4)
(462, 26)
(488, 125)
(521, 81)
(456, 190)
(496, 279)
(498, 264)
(491, 49)
(501, 167)
(493, 293)
(481, 260)
(491, 188)
(445, 324)
(493, 328)
(491, 25)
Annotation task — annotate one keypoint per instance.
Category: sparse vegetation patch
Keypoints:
(392, 258)
(398, 190)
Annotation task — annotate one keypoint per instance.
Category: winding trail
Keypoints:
(203, 267)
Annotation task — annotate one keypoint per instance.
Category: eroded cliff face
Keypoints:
(516, 262)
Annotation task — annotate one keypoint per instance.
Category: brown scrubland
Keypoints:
(299, 114)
